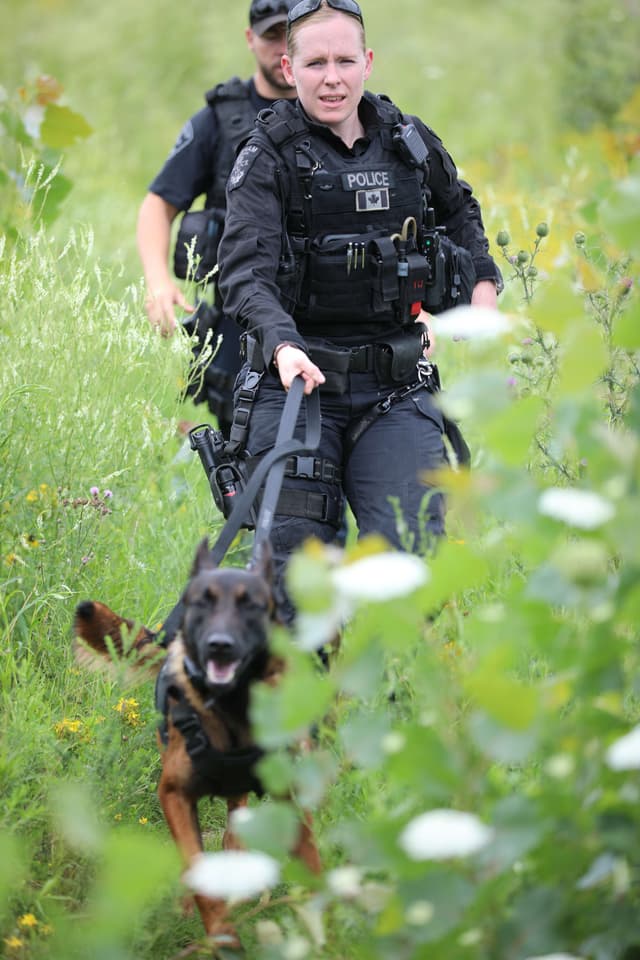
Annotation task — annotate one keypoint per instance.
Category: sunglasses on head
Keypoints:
(268, 7)
(305, 7)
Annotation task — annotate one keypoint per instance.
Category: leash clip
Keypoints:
(425, 369)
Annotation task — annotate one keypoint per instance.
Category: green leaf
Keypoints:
(314, 774)
(54, 194)
(498, 742)
(135, 868)
(271, 827)
(63, 127)
(276, 772)
(626, 330)
(511, 432)
(556, 305)
(502, 697)
(456, 567)
(284, 713)
(449, 896)
(14, 127)
(362, 736)
(620, 214)
(584, 359)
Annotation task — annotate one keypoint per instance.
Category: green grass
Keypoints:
(505, 703)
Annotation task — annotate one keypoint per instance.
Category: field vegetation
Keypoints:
(475, 782)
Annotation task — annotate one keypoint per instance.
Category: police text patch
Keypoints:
(243, 164)
(372, 200)
(368, 180)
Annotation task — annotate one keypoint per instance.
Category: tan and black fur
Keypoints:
(224, 639)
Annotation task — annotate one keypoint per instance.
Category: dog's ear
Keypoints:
(202, 559)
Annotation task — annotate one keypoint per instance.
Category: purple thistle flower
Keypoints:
(108, 494)
(94, 491)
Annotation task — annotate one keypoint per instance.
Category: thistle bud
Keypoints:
(503, 239)
(523, 256)
(579, 239)
(542, 229)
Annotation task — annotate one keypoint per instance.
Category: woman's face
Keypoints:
(329, 68)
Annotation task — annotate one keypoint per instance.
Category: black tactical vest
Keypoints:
(343, 217)
(236, 118)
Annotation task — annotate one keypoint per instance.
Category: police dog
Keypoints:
(203, 691)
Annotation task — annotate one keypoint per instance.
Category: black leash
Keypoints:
(272, 466)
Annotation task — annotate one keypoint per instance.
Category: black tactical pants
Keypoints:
(383, 479)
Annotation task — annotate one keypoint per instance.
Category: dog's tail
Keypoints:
(101, 634)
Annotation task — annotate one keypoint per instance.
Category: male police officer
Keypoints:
(200, 163)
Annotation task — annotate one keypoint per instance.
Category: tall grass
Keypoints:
(497, 687)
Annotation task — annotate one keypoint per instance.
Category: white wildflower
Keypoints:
(232, 874)
(420, 913)
(556, 956)
(470, 323)
(442, 834)
(578, 508)
(624, 753)
(381, 576)
(345, 882)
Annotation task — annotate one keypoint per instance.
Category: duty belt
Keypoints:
(363, 359)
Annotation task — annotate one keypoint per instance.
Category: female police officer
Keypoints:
(328, 255)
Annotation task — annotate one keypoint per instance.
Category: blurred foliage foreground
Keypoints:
(476, 778)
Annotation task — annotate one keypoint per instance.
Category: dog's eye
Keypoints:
(253, 603)
(203, 602)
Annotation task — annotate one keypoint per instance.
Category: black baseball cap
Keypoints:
(264, 14)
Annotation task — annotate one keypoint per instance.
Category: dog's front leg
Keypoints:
(306, 848)
(180, 809)
(229, 840)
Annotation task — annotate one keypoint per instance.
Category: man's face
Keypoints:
(268, 50)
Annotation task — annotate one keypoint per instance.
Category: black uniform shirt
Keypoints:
(252, 240)
(189, 169)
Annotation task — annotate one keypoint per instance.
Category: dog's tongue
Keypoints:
(221, 672)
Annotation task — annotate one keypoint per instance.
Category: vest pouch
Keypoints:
(340, 277)
(397, 364)
(200, 231)
(454, 282)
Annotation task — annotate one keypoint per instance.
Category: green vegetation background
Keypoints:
(486, 76)
(529, 99)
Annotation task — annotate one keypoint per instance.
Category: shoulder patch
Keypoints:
(243, 164)
(185, 137)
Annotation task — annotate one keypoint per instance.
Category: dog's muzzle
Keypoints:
(220, 665)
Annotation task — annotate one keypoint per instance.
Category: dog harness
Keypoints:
(225, 773)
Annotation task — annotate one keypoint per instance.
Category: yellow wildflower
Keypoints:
(117, 816)
(32, 496)
(143, 820)
(11, 558)
(44, 489)
(127, 707)
(46, 929)
(66, 726)
(27, 920)
(13, 943)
